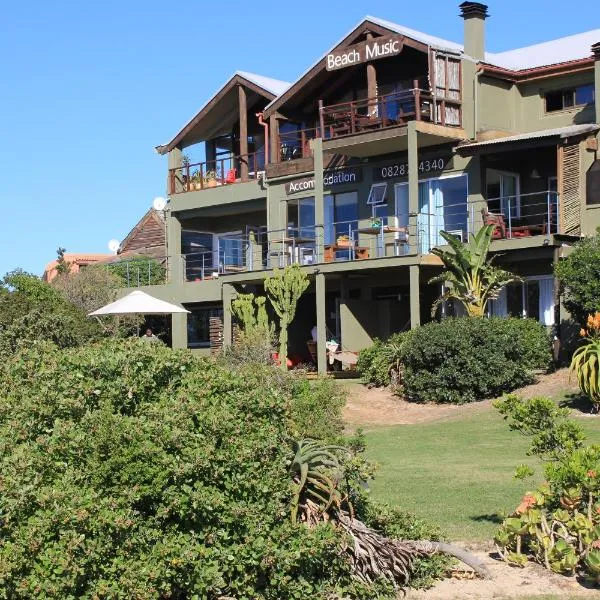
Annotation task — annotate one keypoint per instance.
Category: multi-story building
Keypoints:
(353, 170)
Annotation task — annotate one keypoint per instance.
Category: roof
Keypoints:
(558, 132)
(557, 51)
(265, 86)
(275, 86)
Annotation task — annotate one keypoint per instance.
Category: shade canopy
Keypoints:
(139, 303)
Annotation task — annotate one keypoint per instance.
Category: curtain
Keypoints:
(499, 306)
(547, 301)
(437, 212)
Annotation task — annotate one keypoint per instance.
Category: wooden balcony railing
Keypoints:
(296, 144)
(389, 110)
(213, 173)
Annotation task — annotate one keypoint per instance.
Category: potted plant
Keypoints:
(210, 179)
(344, 241)
(185, 163)
(196, 180)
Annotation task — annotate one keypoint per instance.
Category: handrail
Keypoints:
(212, 173)
(292, 143)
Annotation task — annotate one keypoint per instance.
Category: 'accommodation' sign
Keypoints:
(330, 179)
(380, 47)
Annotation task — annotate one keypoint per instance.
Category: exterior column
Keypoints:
(415, 300)
(321, 323)
(243, 109)
(275, 154)
(371, 80)
(174, 179)
(317, 149)
(413, 186)
(175, 261)
(210, 150)
(596, 53)
(179, 330)
(229, 294)
(476, 198)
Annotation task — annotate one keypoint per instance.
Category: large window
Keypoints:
(341, 216)
(198, 325)
(532, 298)
(570, 97)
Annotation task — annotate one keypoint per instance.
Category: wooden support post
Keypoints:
(415, 297)
(413, 187)
(274, 141)
(243, 109)
(321, 323)
(175, 178)
(229, 294)
(371, 83)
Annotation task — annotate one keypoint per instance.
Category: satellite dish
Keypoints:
(159, 203)
(114, 245)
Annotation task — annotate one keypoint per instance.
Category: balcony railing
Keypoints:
(388, 110)
(522, 216)
(213, 173)
(296, 144)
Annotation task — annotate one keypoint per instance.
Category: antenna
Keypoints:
(159, 203)
(114, 245)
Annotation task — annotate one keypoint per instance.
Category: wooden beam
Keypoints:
(243, 111)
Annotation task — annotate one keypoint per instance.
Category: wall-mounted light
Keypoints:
(535, 174)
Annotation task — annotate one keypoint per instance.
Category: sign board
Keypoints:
(330, 179)
(427, 166)
(381, 47)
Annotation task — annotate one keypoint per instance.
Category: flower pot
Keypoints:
(344, 243)
(211, 183)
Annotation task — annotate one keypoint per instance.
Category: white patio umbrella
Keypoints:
(139, 303)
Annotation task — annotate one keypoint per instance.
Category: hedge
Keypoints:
(465, 359)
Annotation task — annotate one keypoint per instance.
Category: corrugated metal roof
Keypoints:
(562, 132)
(275, 86)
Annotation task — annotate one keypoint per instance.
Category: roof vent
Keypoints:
(473, 9)
(474, 15)
(596, 50)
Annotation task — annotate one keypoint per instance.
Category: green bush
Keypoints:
(129, 470)
(381, 363)
(466, 359)
(579, 274)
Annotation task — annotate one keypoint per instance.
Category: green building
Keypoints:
(353, 170)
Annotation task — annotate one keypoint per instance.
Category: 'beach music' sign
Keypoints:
(381, 47)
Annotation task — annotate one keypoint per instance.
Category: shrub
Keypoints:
(558, 525)
(579, 274)
(466, 359)
(380, 364)
(129, 470)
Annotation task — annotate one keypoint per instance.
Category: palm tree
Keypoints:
(473, 279)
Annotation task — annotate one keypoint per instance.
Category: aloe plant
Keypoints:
(586, 360)
(473, 280)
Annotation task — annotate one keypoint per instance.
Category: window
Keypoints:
(198, 325)
(503, 193)
(341, 216)
(377, 194)
(570, 97)
(532, 298)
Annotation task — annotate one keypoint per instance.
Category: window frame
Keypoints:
(573, 89)
(192, 308)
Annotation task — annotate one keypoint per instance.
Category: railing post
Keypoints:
(201, 176)
(417, 96)
(321, 119)
(352, 118)
(303, 142)
(509, 219)
(188, 186)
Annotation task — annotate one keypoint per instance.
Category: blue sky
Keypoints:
(89, 88)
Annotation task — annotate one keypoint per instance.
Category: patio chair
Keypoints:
(497, 220)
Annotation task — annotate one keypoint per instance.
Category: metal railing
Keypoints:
(520, 216)
(296, 144)
(227, 170)
(387, 110)
(140, 271)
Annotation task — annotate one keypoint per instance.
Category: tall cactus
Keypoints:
(251, 311)
(284, 289)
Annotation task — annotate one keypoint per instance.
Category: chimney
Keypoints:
(474, 15)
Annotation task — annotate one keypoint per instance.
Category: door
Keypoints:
(503, 193)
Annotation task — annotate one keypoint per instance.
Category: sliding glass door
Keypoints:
(442, 207)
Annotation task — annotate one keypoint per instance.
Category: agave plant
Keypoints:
(586, 360)
(316, 472)
(473, 280)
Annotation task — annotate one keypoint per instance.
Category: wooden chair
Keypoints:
(497, 220)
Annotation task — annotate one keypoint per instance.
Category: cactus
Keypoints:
(284, 289)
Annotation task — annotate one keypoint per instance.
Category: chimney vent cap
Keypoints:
(473, 9)
(596, 50)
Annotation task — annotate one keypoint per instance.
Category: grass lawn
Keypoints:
(457, 473)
